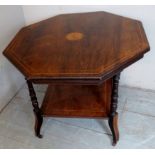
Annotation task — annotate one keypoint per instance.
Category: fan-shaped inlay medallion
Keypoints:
(74, 36)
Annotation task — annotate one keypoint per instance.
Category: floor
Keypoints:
(136, 123)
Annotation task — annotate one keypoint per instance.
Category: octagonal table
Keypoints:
(80, 56)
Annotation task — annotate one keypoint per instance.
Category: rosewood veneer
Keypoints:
(80, 56)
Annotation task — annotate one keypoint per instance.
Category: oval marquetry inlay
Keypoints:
(74, 36)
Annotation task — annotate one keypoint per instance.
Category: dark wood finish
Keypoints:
(78, 101)
(42, 50)
(113, 124)
(80, 56)
(36, 109)
(113, 114)
(86, 80)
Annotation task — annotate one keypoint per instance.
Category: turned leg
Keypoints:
(36, 109)
(113, 118)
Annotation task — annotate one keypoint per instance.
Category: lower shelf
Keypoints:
(78, 100)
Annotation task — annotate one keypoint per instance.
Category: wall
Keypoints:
(11, 20)
(141, 74)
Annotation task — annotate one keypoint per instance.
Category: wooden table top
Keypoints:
(93, 45)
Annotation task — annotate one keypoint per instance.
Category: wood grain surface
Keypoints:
(78, 101)
(103, 42)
